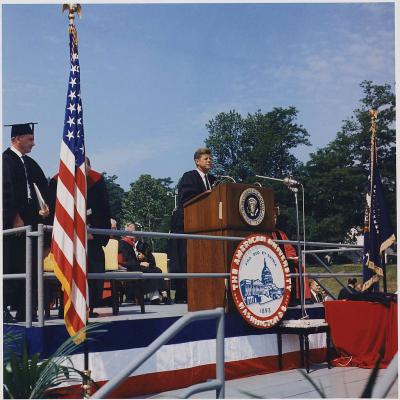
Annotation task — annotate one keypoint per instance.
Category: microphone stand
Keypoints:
(293, 188)
(221, 178)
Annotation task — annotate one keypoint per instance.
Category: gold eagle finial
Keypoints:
(373, 114)
(72, 8)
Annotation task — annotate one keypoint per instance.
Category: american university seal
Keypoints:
(260, 281)
(252, 206)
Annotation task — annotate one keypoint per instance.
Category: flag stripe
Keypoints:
(63, 239)
(68, 159)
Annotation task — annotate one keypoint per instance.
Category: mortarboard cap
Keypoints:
(22, 129)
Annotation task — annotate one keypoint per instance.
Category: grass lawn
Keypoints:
(333, 286)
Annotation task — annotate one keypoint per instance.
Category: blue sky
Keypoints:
(153, 75)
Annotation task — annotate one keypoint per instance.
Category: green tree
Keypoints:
(149, 201)
(336, 176)
(115, 195)
(257, 144)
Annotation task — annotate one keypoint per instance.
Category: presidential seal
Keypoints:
(252, 206)
(260, 281)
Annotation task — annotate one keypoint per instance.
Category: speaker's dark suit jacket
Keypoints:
(190, 185)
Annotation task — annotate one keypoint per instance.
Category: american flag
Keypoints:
(378, 231)
(69, 227)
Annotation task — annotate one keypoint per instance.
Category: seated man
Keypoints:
(134, 256)
(351, 289)
(153, 287)
(317, 293)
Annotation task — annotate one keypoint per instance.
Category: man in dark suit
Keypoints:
(317, 293)
(21, 207)
(190, 185)
(346, 293)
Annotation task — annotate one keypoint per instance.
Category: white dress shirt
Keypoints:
(204, 178)
(20, 155)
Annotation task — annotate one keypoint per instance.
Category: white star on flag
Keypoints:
(70, 135)
(72, 95)
(70, 121)
(71, 108)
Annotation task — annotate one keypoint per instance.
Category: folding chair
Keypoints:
(162, 263)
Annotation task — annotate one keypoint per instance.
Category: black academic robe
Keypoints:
(98, 203)
(15, 194)
(15, 201)
(127, 258)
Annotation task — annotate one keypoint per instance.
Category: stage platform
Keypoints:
(251, 356)
(187, 359)
(335, 383)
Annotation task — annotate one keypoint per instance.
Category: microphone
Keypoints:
(287, 181)
(290, 182)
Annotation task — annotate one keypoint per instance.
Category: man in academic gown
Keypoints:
(98, 216)
(190, 185)
(21, 207)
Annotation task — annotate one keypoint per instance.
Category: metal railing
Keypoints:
(42, 276)
(383, 386)
(218, 384)
(28, 269)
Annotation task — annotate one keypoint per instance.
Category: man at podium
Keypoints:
(191, 184)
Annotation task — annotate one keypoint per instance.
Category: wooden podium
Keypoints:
(217, 213)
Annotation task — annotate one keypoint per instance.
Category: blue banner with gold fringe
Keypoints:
(378, 231)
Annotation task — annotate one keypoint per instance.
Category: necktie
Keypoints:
(208, 187)
(28, 189)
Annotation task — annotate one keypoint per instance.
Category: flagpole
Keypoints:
(374, 159)
(73, 9)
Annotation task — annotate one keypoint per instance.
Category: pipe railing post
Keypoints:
(165, 337)
(28, 277)
(40, 281)
(220, 356)
(385, 383)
